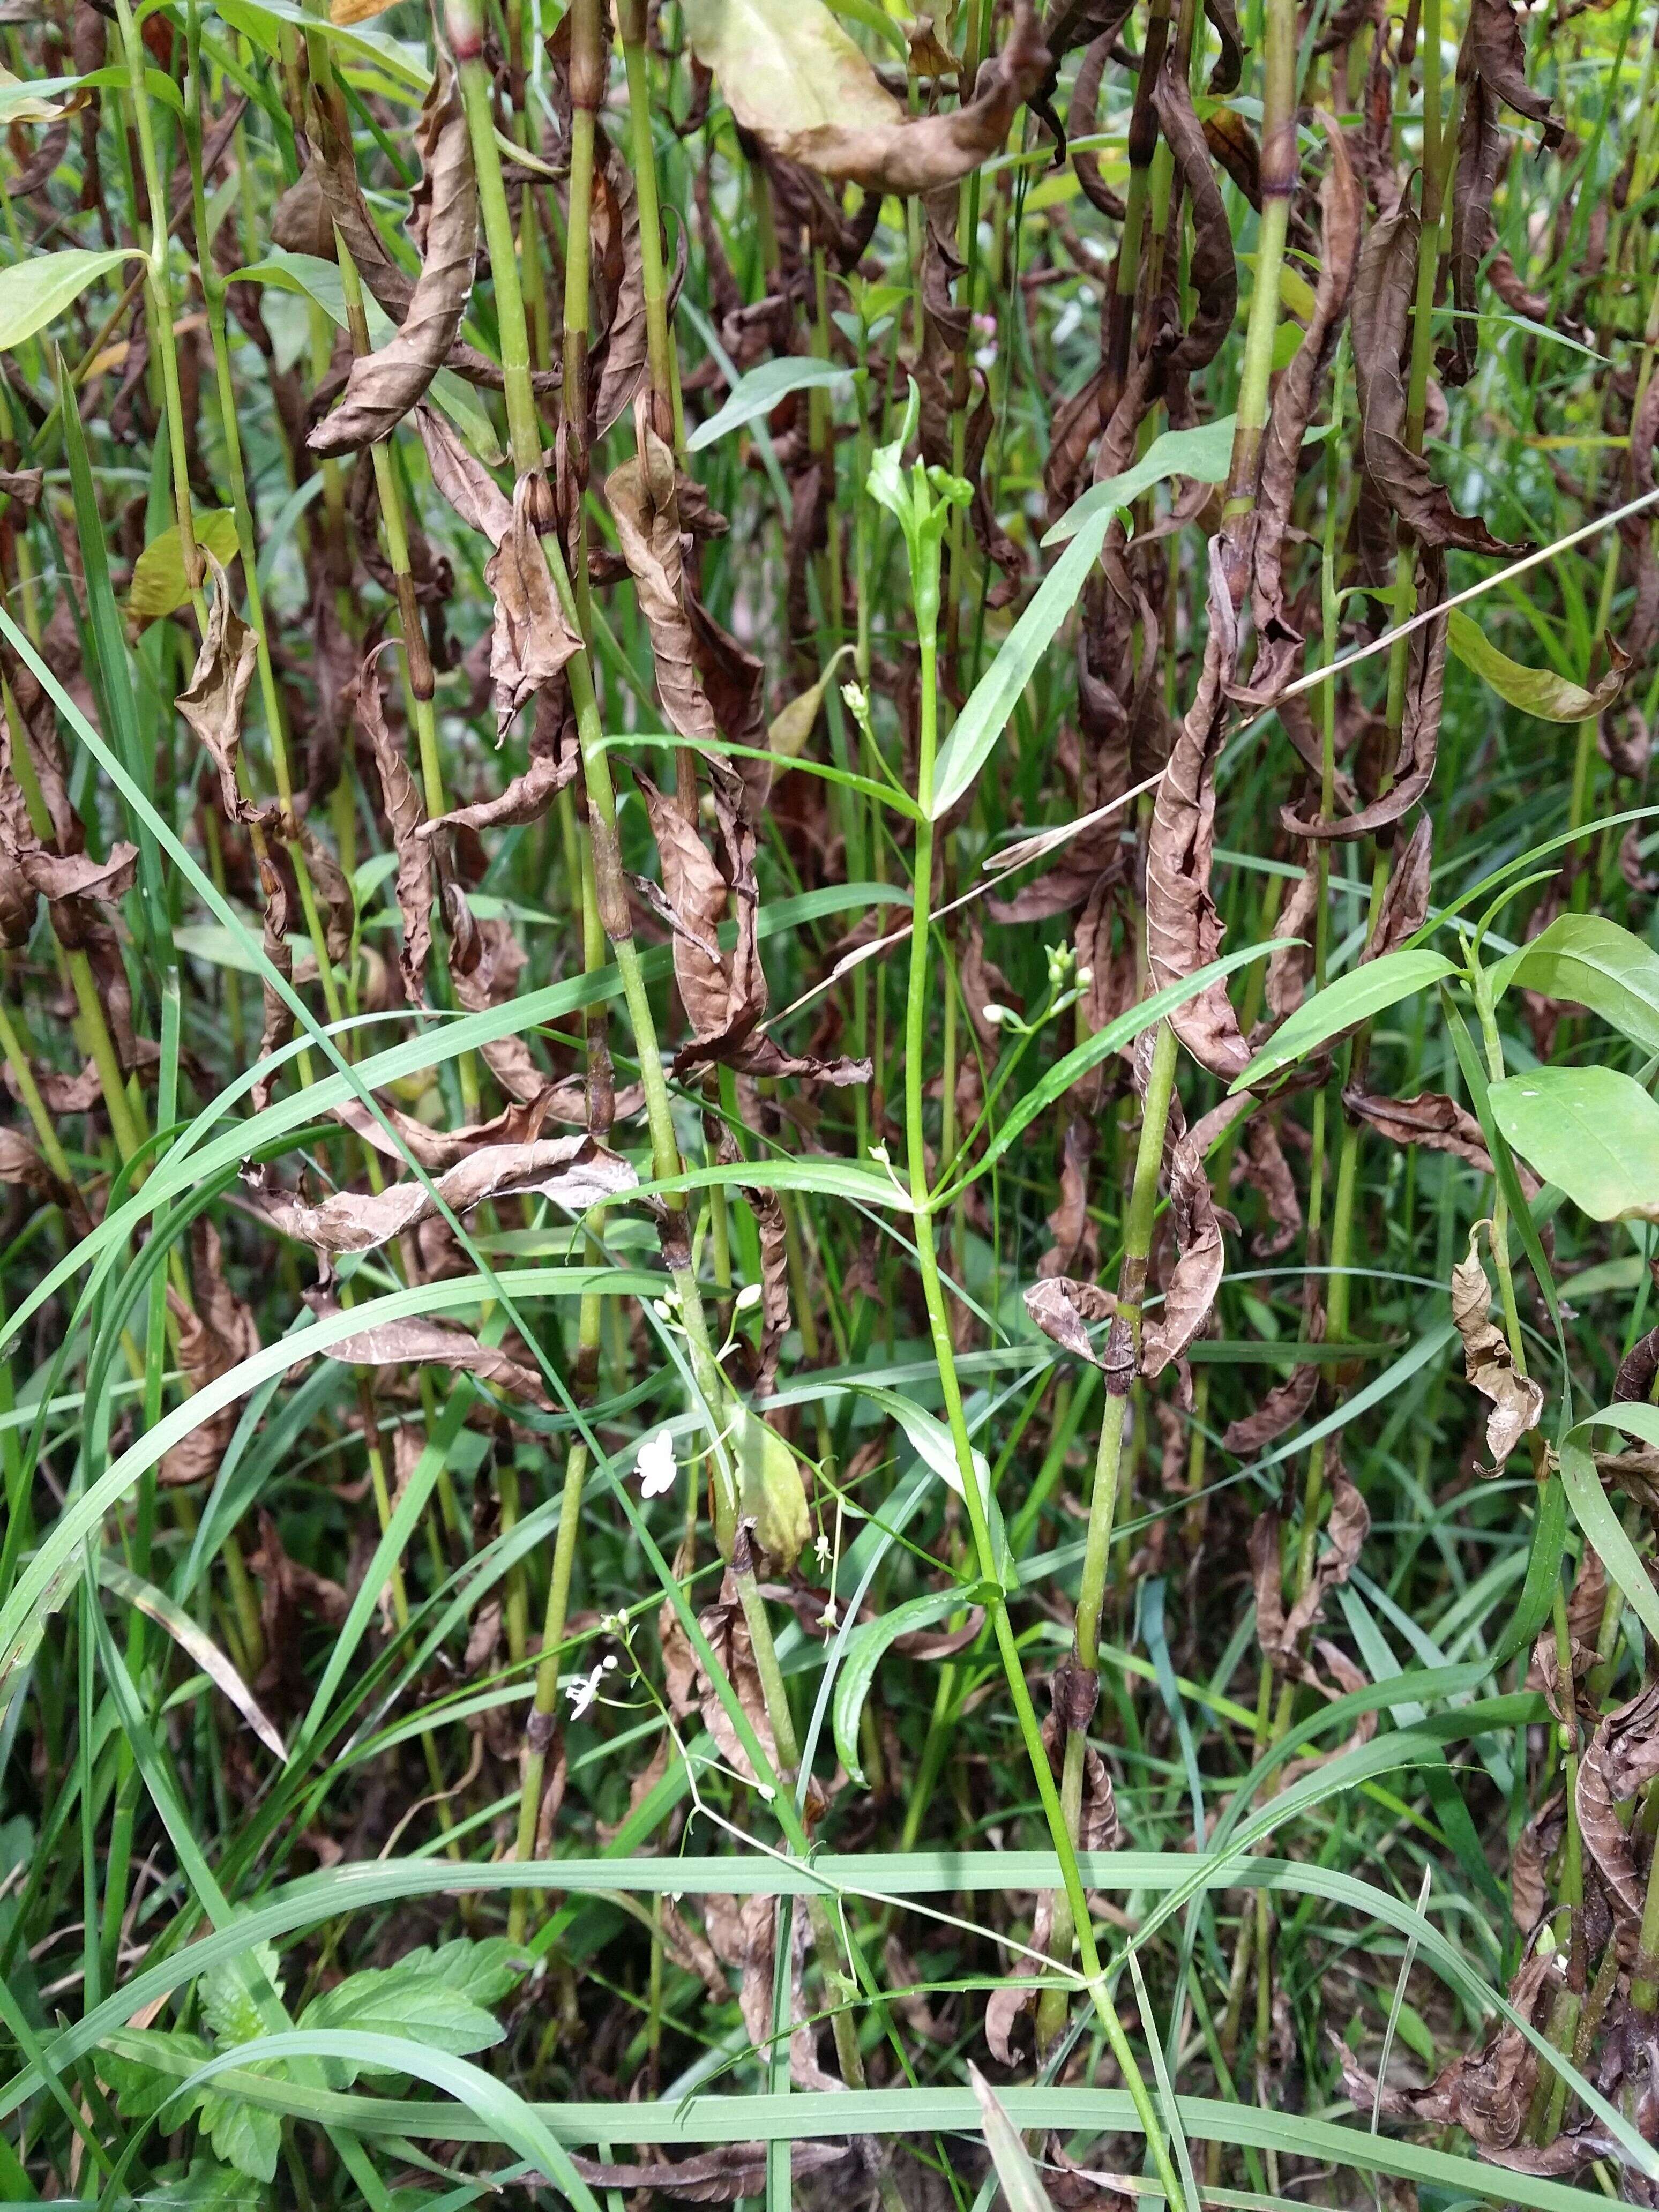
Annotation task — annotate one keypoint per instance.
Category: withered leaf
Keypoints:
(1518, 1401)
(1183, 930)
(641, 494)
(1341, 200)
(462, 477)
(404, 813)
(1405, 905)
(1621, 1757)
(1063, 1309)
(213, 702)
(1431, 1119)
(423, 1342)
(1384, 285)
(821, 104)
(66, 876)
(384, 385)
(531, 641)
(555, 757)
(1412, 770)
(1191, 1290)
(215, 1334)
(1279, 1632)
(521, 1123)
(715, 2176)
(620, 355)
(1213, 271)
(575, 1172)
(1489, 2093)
(1286, 1403)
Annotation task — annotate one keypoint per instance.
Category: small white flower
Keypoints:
(582, 1692)
(829, 1617)
(654, 1464)
(995, 1015)
(1085, 977)
(613, 1624)
(821, 1545)
(748, 1297)
(878, 1154)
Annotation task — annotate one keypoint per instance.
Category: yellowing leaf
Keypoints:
(1538, 691)
(159, 584)
(787, 66)
(792, 725)
(773, 1494)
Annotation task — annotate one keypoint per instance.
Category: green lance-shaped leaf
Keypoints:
(35, 292)
(1353, 997)
(760, 391)
(1205, 454)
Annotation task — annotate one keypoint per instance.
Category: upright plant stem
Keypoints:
(465, 30)
(925, 581)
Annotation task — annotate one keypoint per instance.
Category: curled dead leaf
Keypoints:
(1518, 1401)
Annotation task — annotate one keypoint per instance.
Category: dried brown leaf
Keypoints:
(213, 702)
(404, 812)
(1183, 930)
(384, 385)
(422, 1342)
(531, 641)
(1190, 1293)
(640, 494)
(575, 1172)
(819, 101)
(1518, 1401)
(215, 1334)
(1063, 1309)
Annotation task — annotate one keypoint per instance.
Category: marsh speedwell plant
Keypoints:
(828, 1165)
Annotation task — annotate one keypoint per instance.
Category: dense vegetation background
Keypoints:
(828, 1015)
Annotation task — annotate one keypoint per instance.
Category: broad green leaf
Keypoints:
(36, 291)
(1538, 691)
(1353, 997)
(1205, 454)
(760, 391)
(1590, 1130)
(993, 699)
(866, 1648)
(159, 585)
(228, 2004)
(243, 2135)
(1595, 964)
(1021, 2186)
(422, 2002)
(143, 2084)
(259, 20)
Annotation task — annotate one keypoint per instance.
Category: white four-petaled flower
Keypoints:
(582, 1692)
(654, 1464)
